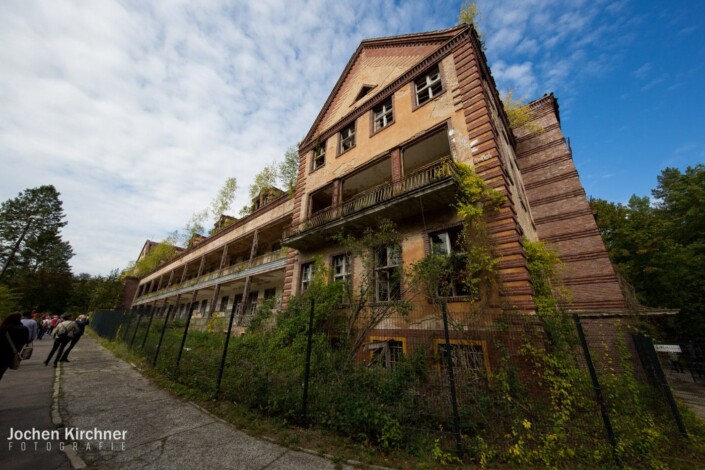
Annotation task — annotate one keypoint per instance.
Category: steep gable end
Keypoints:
(375, 64)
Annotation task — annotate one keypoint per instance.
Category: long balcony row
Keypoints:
(267, 262)
(435, 183)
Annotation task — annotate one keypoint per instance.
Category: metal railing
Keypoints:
(376, 195)
(218, 273)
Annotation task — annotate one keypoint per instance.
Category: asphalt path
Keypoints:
(25, 405)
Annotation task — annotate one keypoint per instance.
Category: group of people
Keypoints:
(18, 329)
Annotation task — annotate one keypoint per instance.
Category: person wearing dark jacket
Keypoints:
(13, 330)
(81, 322)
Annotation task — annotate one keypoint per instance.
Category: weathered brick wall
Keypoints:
(504, 230)
(562, 214)
(129, 288)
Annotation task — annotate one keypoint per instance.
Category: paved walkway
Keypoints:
(99, 391)
(25, 404)
(687, 391)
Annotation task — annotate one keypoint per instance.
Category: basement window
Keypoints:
(386, 353)
(468, 358)
(428, 87)
(382, 116)
(347, 138)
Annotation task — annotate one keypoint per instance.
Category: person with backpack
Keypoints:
(63, 334)
(81, 322)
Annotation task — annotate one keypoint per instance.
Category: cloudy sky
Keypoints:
(138, 111)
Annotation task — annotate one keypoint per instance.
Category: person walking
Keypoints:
(63, 333)
(81, 322)
(45, 326)
(11, 330)
(31, 325)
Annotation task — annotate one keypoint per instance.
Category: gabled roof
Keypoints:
(376, 62)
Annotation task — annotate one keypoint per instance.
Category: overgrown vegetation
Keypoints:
(470, 14)
(535, 409)
(519, 114)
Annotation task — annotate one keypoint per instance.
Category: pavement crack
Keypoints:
(286, 451)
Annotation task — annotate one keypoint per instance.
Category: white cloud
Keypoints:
(551, 35)
(137, 111)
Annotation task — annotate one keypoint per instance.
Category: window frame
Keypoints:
(352, 134)
(306, 275)
(388, 270)
(457, 293)
(347, 275)
(224, 301)
(440, 342)
(315, 155)
(428, 86)
(373, 115)
(374, 340)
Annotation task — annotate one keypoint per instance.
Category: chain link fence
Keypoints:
(506, 388)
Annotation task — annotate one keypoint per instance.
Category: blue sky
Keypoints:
(138, 111)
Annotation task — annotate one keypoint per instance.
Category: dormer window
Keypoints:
(428, 86)
(319, 157)
(364, 91)
(347, 138)
(382, 115)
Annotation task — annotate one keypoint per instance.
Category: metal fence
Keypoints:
(107, 322)
(438, 373)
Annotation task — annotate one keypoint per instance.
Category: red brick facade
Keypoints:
(563, 216)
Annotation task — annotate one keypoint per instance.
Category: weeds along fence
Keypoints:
(525, 390)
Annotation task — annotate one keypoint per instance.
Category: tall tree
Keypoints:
(34, 219)
(31, 247)
(659, 245)
(289, 169)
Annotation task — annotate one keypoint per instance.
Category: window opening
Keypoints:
(428, 86)
(388, 273)
(347, 138)
(383, 115)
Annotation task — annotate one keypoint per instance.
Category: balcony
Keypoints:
(427, 188)
(261, 264)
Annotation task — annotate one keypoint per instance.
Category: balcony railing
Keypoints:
(234, 269)
(376, 195)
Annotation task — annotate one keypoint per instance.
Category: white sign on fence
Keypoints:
(667, 348)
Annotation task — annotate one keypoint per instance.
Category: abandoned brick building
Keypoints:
(405, 110)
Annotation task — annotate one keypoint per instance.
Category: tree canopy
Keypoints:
(31, 246)
(659, 245)
(39, 211)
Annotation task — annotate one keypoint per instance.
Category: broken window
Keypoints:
(382, 115)
(347, 138)
(252, 303)
(468, 360)
(428, 87)
(449, 243)
(388, 273)
(386, 353)
(319, 157)
(306, 276)
(341, 268)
